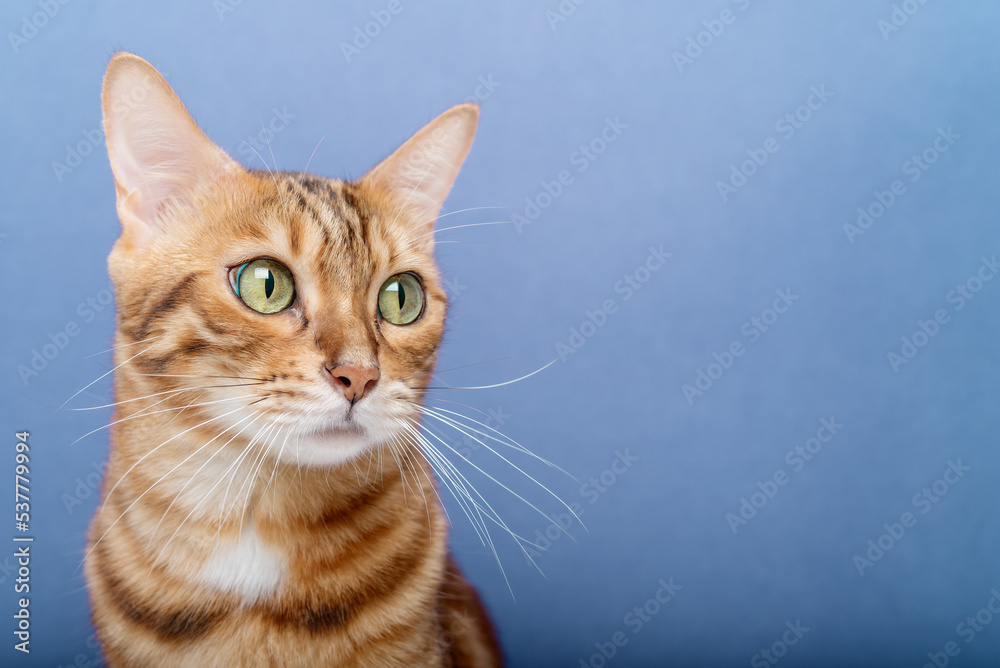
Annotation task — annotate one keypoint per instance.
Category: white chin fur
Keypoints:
(325, 449)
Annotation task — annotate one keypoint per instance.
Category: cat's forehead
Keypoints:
(337, 228)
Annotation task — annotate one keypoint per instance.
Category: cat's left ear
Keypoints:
(159, 155)
(422, 171)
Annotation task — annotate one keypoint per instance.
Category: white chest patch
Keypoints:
(247, 567)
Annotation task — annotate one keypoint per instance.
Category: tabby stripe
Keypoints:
(210, 321)
(174, 298)
(304, 205)
(319, 188)
(350, 513)
(161, 364)
(177, 625)
(324, 616)
(359, 235)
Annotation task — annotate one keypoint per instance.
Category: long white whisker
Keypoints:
(254, 473)
(457, 426)
(207, 495)
(458, 227)
(104, 375)
(452, 213)
(163, 410)
(255, 415)
(108, 496)
(491, 515)
(473, 465)
(141, 459)
(309, 161)
(448, 474)
(509, 382)
(509, 442)
(235, 467)
(156, 394)
(124, 345)
(141, 413)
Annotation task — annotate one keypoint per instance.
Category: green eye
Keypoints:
(265, 286)
(401, 299)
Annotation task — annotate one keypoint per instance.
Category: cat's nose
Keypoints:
(354, 381)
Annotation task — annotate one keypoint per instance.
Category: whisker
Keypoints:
(181, 375)
(124, 345)
(491, 514)
(458, 227)
(207, 495)
(473, 465)
(232, 478)
(254, 472)
(511, 443)
(141, 459)
(456, 425)
(432, 455)
(142, 413)
(104, 375)
(309, 161)
(452, 213)
(487, 387)
(156, 394)
(255, 415)
(108, 496)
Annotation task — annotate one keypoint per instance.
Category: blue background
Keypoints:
(519, 292)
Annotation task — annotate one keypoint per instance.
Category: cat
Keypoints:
(265, 502)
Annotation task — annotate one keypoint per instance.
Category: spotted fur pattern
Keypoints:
(251, 516)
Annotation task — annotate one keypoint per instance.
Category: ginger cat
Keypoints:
(266, 502)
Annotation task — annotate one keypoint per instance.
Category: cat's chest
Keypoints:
(244, 566)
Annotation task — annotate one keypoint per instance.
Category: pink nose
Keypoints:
(354, 381)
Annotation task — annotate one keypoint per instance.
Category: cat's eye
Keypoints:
(401, 299)
(264, 285)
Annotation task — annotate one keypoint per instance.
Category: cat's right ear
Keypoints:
(159, 155)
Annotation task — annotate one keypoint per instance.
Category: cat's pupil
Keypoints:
(400, 295)
(269, 284)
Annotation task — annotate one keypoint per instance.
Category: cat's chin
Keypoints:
(328, 447)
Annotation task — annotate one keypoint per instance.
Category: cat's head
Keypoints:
(284, 299)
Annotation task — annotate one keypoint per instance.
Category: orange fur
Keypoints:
(251, 515)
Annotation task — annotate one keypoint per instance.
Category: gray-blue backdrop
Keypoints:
(758, 238)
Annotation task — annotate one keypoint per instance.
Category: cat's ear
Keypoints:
(159, 155)
(422, 171)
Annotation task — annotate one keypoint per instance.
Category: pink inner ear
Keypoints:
(422, 170)
(157, 151)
